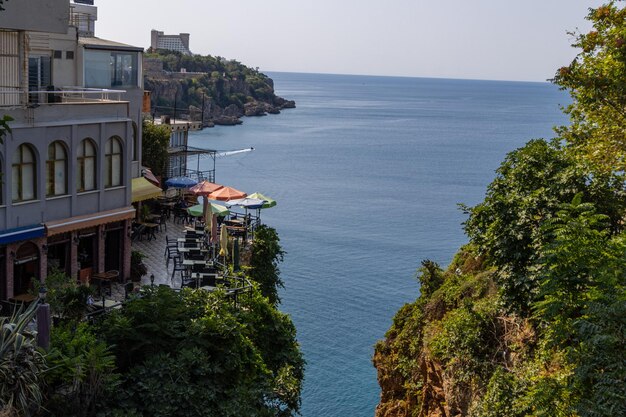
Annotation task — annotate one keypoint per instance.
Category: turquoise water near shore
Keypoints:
(368, 172)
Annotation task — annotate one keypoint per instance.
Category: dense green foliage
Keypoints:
(530, 318)
(264, 260)
(596, 80)
(4, 126)
(194, 353)
(531, 185)
(21, 365)
(82, 370)
(67, 298)
(218, 85)
(154, 143)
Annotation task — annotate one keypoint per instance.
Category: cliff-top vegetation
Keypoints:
(225, 89)
(529, 319)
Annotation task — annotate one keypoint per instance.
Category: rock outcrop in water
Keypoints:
(225, 90)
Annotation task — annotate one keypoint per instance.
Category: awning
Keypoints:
(22, 233)
(143, 189)
(89, 220)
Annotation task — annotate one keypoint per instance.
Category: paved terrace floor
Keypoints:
(154, 255)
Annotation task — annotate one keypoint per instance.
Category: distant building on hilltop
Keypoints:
(179, 42)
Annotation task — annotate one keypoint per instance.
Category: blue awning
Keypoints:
(22, 233)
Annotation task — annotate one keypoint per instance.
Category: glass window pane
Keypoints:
(97, 69)
(28, 182)
(117, 170)
(90, 173)
(59, 178)
(16, 183)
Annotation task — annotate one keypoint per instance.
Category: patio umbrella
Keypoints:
(180, 182)
(204, 188)
(217, 209)
(147, 174)
(226, 194)
(246, 202)
(269, 202)
(224, 242)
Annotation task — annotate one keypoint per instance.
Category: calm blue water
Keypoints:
(367, 172)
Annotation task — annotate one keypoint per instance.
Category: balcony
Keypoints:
(32, 108)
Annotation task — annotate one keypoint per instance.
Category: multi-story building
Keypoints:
(180, 42)
(74, 147)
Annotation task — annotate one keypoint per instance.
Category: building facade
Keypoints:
(74, 146)
(180, 42)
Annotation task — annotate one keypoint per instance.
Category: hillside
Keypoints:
(529, 319)
(226, 89)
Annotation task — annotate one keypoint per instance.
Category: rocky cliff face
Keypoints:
(444, 351)
(225, 96)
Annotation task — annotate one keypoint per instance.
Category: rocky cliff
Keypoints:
(445, 350)
(208, 88)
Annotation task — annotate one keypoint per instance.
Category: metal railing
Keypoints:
(16, 98)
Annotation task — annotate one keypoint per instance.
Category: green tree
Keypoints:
(581, 306)
(265, 257)
(195, 353)
(154, 143)
(21, 365)
(529, 188)
(596, 80)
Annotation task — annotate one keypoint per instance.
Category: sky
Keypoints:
(523, 40)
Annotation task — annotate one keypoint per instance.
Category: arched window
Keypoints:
(86, 169)
(56, 166)
(113, 163)
(24, 174)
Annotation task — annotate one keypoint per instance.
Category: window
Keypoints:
(105, 69)
(86, 170)
(58, 54)
(39, 77)
(113, 163)
(56, 166)
(24, 174)
(69, 54)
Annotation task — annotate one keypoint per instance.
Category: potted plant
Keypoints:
(137, 267)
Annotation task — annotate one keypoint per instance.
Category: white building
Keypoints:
(75, 146)
(179, 42)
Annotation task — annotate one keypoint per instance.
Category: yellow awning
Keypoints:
(143, 189)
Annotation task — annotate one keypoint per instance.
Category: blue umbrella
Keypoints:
(180, 182)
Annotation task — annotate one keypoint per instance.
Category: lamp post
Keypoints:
(44, 319)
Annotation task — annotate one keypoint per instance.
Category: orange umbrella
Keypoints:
(205, 188)
(226, 194)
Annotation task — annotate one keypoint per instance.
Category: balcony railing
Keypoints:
(16, 98)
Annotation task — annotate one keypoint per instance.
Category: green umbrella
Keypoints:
(198, 210)
(269, 202)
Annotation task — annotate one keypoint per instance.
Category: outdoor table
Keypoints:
(167, 207)
(151, 229)
(236, 230)
(105, 277)
(195, 248)
(24, 298)
(192, 262)
(234, 222)
(185, 240)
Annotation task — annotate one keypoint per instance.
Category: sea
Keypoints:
(368, 173)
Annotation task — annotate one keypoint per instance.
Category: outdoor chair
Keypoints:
(179, 267)
(181, 215)
(170, 244)
(163, 222)
(129, 288)
(137, 232)
(172, 253)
